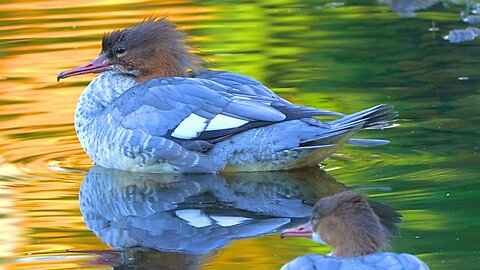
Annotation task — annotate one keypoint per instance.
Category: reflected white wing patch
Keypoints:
(194, 217)
(226, 221)
(193, 125)
(199, 219)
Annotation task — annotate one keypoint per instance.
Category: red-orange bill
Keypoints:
(98, 65)
(302, 231)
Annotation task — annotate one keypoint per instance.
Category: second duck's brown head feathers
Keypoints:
(346, 222)
(350, 223)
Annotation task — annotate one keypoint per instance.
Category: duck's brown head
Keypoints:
(346, 222)
(151, 49)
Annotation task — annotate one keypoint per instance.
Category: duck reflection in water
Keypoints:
(179, 221)
(347, 222)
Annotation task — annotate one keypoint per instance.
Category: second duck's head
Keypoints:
(347, 223)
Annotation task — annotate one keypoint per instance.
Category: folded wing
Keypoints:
(193, 109)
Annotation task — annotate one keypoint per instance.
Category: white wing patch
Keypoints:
(193, 125)
(190, 127)
(225, 122)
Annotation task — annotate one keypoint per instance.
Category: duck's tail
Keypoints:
(341, 130)
(377, 117)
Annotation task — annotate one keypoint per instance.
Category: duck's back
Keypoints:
(376, 261)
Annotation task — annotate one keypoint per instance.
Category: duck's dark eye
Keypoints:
(120, 50)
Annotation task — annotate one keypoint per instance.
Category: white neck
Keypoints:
(96, 97)
(100, 93)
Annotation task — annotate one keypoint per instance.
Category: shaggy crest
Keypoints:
(151, 49)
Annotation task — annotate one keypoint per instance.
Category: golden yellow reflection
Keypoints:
(39, 209)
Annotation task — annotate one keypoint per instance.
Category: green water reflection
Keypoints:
(343, 57)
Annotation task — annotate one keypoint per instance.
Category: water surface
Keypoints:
(341, 56)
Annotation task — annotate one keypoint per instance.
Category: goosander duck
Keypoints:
(154, 109)
(347, 222)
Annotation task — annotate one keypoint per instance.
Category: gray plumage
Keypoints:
(375, 261)
(207, 123)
